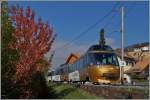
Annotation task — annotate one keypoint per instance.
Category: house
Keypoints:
(72, 58)
(141, 68)
(136, 56)
(138, 47)
(130, 61)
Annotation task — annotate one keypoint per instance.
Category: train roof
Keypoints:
(98, 47)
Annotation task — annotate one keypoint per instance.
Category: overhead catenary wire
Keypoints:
(113, 15)
(92, 26)
(131, 7)
(89, 28)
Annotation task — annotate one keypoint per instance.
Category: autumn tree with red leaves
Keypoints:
(33, 40)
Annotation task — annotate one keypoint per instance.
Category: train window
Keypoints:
(78, 65)
(61, 71)
(103, 61)
(52, 73)
(75, 67)
(57, 72)
(49, 74)
(84, 61)
(87, 59)
(72, 67)
(67, 69)
(81, 63)
(104, 58)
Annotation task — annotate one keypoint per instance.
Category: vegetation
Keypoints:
(23, 49)
(65, 91)
(8, 56)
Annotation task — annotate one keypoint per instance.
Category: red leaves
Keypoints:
(33, 40)
(28, 12)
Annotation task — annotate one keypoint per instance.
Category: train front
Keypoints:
(104, 67)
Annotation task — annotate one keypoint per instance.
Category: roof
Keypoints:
(126, 57)
(133, 46)
(100, 48)
(139, 45)
(72, 58)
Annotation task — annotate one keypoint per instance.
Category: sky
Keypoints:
(70, 20)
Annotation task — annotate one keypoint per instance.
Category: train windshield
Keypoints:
(105, 59)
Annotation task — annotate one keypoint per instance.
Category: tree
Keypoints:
(8, 56)
(33, 40)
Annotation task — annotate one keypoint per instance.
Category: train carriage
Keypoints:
(99, 64)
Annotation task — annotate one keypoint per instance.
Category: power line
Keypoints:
(89, 28)
(109, 21)
(106, 25)
(106, 41)
(131, 7)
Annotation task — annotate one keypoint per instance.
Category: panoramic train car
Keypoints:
(98, 65)
(103, 65)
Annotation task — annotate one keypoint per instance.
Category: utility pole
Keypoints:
(122, 42)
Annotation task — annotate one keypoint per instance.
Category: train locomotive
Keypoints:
(99, 65)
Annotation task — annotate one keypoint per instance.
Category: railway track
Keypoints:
(136, 86)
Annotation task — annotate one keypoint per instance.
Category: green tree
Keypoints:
(8, 56)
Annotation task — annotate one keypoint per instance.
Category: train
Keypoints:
(99, 65)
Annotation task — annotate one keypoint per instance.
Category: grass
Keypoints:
(65, 91)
